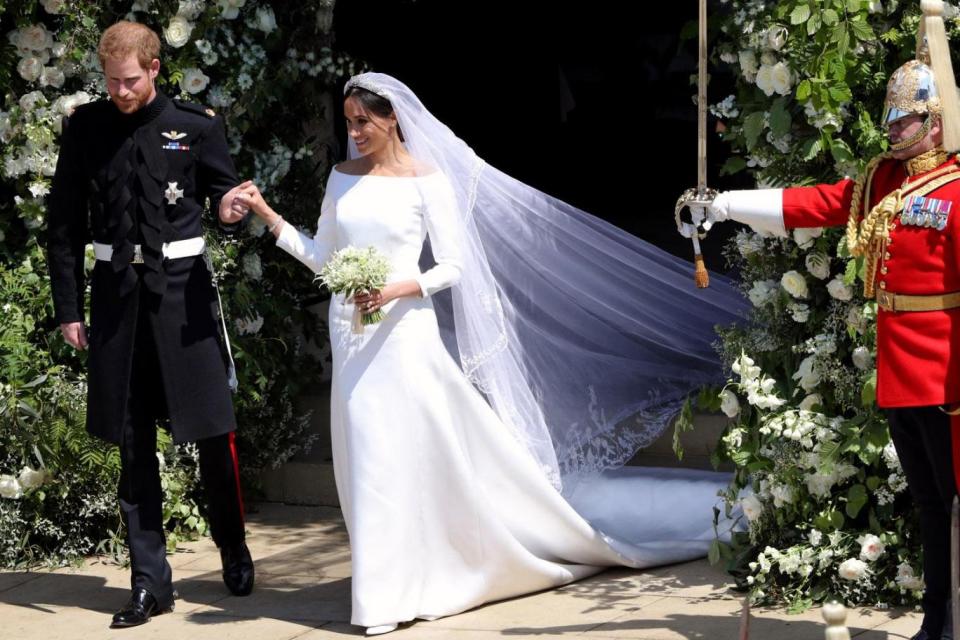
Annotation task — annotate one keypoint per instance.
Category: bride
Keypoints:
(480, 430)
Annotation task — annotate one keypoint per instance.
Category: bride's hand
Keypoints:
(250, 197)
(376, 299)
(370, 302)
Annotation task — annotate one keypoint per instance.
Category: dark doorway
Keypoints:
(581, 100)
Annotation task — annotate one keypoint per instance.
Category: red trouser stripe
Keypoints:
(236, 472)
(955, 442)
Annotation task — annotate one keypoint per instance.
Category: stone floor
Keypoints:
(303, 592)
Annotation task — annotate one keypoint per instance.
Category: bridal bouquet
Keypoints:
(352, 270)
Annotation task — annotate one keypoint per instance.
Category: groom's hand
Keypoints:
(233, 210)
(75, 334)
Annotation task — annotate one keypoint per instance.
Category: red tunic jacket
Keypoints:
(918, 352)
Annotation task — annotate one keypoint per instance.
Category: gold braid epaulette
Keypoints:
(868, 236)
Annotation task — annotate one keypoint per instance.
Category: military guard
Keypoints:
(903, 216)
(133, 176)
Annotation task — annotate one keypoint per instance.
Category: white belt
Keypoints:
(171, 250)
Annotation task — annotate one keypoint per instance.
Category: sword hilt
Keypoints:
(694, 200)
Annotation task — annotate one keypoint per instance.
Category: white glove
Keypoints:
(762, 209)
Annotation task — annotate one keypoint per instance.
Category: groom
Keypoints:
(132, 175)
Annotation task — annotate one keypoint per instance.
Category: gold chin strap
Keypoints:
(868, 237)
(927, 161)
(915, 138)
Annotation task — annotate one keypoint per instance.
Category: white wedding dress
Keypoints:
(444, 507)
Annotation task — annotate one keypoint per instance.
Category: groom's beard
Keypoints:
(133, 103)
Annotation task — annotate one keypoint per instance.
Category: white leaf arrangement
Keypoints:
(351, 271)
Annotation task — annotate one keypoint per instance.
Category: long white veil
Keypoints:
(584, 338)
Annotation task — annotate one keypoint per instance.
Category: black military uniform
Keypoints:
(136, 185)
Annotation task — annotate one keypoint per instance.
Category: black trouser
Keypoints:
(921, 436)
(140, 492)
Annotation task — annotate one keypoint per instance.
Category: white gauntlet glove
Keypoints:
(762, 209)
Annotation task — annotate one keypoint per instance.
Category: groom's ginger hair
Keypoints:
(126, 38)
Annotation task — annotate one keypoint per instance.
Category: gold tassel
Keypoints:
(700, 275)
(939, 49)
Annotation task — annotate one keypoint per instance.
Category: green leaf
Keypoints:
(814, 24)
(862, 31)
(868, 395)
(856, 498)
(779, 118)
(752, 128)
(854, 6)
(830, 17)
(873, 482)
(734, 164)
(800, 14)
(810, 148)
(803, 91)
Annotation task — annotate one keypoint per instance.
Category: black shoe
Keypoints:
(237, 568)
(138, 609)
(920, 635)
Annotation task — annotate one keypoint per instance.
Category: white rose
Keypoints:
(748, 61)
(853, 569)
(875, 6)
(30, 68)
(839, 289)
(178, 31)
(765, 79)
(819, 484)
(729, 403)
(190, 9)
(29, 101)
(807, 374)
(862, 358)
(782, 495)
(32, 478)
(776, 37)
(10, 487)
(818, 265)
(71, 102)
(58, 49)
(768, 58)
(252, 266)
(752, 507)
(907, 579)
(804, 236)
(795, 284)
(781, 79)
(36, 38)
(52, 77)
(871, 547)
(265, 20)
(53, 6)
(230, 9)
(194, 80)
(811, 401)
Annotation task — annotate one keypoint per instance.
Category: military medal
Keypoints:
(174, 137)
(172, 194)
(931, 213)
